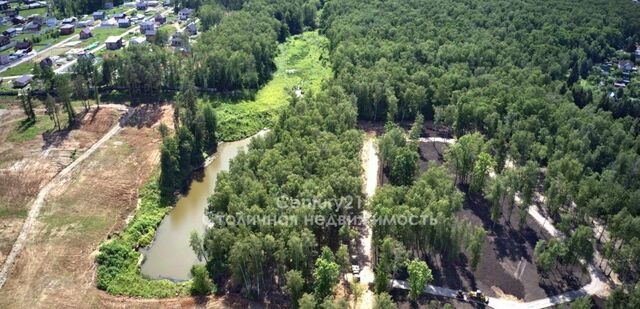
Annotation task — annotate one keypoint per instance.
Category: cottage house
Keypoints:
(160, 19)
(108, 5)
(185, 13)
(4, 40)
(24, 45)
(137, 41)
(147, 25)
(85, 23)
(11, 13)
(31, 27)
(66, 29)
(150, 34)
(113, 43)
(124, 23)
(192, 29)
(99, 15)
(119, 16)
(5, 59)
(85, 33)
(11, 32)
(4, 5)
(109, 23)
(46, 63)
(35, 18)
(70, 21)
(141, 6)
(52, 22)
(625, 65)
(22, 81)
(18, 20)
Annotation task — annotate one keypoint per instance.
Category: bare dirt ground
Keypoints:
(25, 167)
(57, 268)
(506, 268)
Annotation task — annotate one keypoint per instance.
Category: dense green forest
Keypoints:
(505, 69)
(506, 77)
(311, 153)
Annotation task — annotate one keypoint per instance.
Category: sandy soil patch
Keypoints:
(25, 167)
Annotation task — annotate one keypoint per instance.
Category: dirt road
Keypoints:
(370, 165)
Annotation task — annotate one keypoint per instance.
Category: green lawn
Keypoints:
(101, 34)
(20, 69)
(298, 64)
(26, 131)
(39, 11)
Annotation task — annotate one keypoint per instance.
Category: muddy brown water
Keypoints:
(169, 256)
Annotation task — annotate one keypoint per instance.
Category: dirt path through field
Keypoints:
(40, 199)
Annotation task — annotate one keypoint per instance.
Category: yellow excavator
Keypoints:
(478, 296)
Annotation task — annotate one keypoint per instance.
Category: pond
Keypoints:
(169, 256)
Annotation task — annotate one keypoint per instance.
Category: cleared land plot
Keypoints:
(31, 155)
(507, 267)
(57, 264)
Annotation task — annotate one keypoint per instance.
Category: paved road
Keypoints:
(59, 179)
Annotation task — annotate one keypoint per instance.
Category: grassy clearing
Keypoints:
(13, 213)
(118, 271)
(26, 130)
(20, 69)
(3, 106)
(101, 34)
(299, 65)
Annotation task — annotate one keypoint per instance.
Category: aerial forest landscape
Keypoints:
(320, 154)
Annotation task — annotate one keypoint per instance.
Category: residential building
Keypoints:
(46, 63)
(4, 5)
(141, 5)
(22, 81)
(192, 29)
(31, 27)
(52, 22)
(85, 23)
(11, 32)
(147, 25)
(137, 41)
(185, 13)
(4, 40)
(70, 21)
(150, 34)
(176, 39)
(99, 15)
(66, 29)
(18, 20)
(85, 33)
(24, 45)
(119, 15)
(109, 23)
(5, 59)
(113, 43)
(166, 3)
(124, 23)
(108, 5)
(160, 19)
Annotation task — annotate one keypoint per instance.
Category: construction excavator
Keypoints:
(473, 296)
(478, 296)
